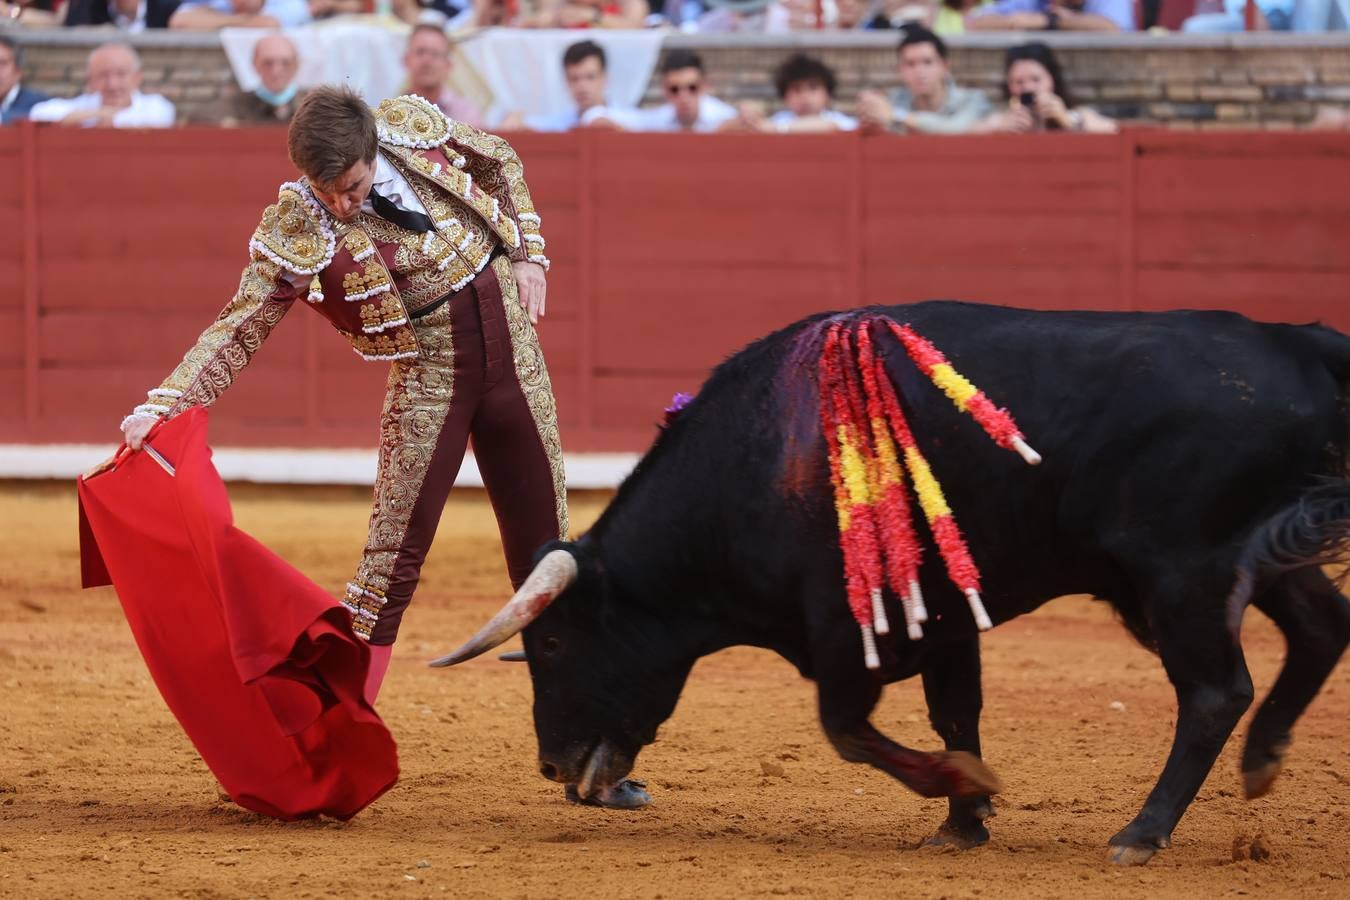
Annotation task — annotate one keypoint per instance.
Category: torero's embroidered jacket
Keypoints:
(367, 276)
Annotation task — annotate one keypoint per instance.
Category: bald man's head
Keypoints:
(276, 61)
(114, 74)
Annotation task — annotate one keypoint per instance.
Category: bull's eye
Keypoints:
(550, 645)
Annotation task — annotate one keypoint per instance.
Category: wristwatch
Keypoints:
(1051, 21)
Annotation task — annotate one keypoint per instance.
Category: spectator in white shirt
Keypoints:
(690, 107)
(587, 77)
(113, 98)
(806, 87)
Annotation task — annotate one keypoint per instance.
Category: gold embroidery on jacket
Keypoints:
(535, 385)
(416, 404)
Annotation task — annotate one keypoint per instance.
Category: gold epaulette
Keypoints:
(294, 232)
(489, 145)
(410, 121)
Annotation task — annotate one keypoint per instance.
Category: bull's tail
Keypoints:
(1312, 532)
(1281, 572)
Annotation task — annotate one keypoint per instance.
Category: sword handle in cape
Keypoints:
(124, 452)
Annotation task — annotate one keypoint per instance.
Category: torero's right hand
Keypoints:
(135, 428)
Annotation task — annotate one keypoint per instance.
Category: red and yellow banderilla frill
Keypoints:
(871, 447)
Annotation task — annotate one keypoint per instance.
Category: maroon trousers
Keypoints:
(479, 376)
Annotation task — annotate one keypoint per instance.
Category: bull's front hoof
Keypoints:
(627, 794)
(965, 775)
(1137, 855)
(1132, 846)
(965, 837)
(1258, 782)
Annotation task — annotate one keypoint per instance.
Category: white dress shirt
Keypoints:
(711, 114)
(393, 187)
(145, 111)
(784, 118)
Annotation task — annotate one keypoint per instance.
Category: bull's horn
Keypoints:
(550, 577)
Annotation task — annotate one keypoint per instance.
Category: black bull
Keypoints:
(1194, 462)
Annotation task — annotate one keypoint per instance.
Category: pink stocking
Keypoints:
(379, 665)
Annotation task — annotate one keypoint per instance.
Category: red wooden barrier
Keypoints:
(669, 253)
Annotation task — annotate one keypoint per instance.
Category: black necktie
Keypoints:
(386, 209)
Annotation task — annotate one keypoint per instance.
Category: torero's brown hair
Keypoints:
(332, 130)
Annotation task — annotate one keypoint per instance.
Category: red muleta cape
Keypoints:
(258, 663)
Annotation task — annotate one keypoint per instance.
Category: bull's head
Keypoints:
(606, 673)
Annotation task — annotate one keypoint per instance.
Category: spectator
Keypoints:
(587, 14)
(274, 101)
(113, 98)
(1271, 15)
(428, 63)
(1045, 15)
(1038, 97)
(806, 87)
(690, 106)
(131, 16)
(928, 100)
(213, 15)
(585, 71)
(15, 99)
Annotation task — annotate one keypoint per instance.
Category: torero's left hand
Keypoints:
(532, 285)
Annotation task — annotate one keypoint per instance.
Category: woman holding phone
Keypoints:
(1038, 98)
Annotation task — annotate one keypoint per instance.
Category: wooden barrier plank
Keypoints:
(1040, 174)
(1273, 296)
(661, 318)
(11, 323)
(1244, 239)
(1243, 185)
(939, 238)
(11, 286)
(352, 396)
(1047, 287)
(12, 399)
(638, 401)
(11, 173)
(720, 200)
(560, 339)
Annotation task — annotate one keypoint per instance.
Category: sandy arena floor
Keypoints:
(102, 796)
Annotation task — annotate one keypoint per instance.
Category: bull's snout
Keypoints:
(549, 771)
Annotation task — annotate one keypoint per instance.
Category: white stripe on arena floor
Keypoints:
(585, 471)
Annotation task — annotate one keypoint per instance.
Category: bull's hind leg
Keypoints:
(1315, 619)
(951, 685)
(1205, 665)
(847, 694)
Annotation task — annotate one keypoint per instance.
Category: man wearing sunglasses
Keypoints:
(688, 107)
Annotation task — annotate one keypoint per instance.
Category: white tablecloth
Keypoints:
(523, 67)
(503, 69)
